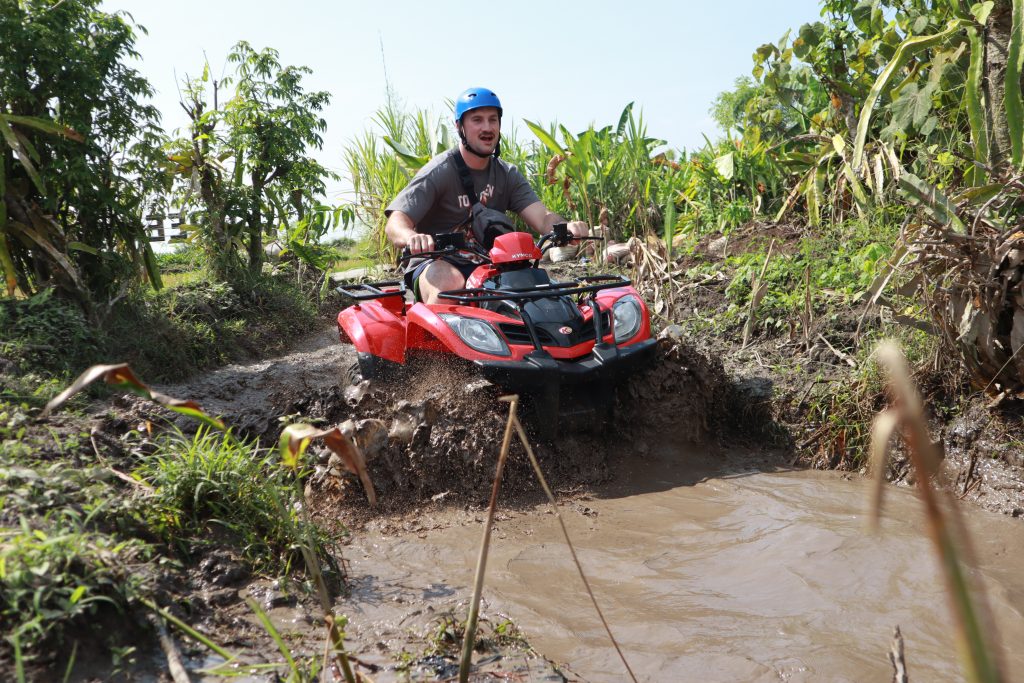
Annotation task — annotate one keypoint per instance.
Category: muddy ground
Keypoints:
(432, 439)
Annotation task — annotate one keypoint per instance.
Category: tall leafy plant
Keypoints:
(383, 160)
(81, 156)
(240, 159)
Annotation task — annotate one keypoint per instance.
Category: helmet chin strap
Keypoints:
(465, 143)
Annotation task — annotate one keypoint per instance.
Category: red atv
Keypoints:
(520, 329)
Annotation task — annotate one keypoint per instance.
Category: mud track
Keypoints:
(657, 521)
(435, 432)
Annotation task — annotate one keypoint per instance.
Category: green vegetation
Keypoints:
(210, 488)
(868, 178)
(61, 576)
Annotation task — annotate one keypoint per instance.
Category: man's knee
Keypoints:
(440, 276)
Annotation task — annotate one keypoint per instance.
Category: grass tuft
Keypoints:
(213, 482)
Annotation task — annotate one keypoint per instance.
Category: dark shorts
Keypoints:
(416, 267)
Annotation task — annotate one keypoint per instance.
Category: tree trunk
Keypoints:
(997, 41)
(256, 225)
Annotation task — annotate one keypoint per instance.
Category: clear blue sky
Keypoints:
(574, 62)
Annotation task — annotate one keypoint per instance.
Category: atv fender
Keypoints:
(429, 332)
(375, 330)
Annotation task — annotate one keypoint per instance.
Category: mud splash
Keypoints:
(434, 432)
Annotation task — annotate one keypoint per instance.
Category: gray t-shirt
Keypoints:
(436, 201)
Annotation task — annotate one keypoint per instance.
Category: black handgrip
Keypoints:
(560, 234)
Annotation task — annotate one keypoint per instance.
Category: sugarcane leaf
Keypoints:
(45, 126)
(152, 268)
(82, 246)
(624, 119)
(26, 161)
(545, 138)
(411, 159)
(928, 197)
(907, 49)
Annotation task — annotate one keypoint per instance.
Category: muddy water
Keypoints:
(708, 567)
(706, 573)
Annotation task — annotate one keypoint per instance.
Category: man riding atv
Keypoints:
(466, 185)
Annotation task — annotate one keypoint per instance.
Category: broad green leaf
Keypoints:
(981, 10)
(812, 33)
(932, 201)
(764, 52)
(912, 107)
(725, 165)
(800, 48)
(543, 136)
(907, 49)
(861, 14)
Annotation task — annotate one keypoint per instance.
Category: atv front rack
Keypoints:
(583, 285)
(519, 296)
(366, 291)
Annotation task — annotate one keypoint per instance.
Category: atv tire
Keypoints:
(372, 368)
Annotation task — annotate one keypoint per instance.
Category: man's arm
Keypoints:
(401, 232)
(541, 219)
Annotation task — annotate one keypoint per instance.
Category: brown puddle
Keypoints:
(744, 576)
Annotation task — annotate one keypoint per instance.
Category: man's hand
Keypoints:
(419, 243)
(578, 229)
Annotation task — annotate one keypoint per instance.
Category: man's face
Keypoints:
(482, 127)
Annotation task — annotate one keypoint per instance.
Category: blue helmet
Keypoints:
(475, 98)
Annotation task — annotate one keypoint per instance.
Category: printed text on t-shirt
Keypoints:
(484, 196)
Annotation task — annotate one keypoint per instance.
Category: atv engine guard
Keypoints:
(538, 370)
(544, 381)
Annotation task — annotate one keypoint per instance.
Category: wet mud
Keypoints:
(711, 562)
(434, 431)
(707, 569)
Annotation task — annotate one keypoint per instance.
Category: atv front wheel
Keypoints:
(371, 367)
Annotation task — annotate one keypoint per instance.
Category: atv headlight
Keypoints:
(628, 316)
(477, 334)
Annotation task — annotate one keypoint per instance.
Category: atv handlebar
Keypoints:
(449, 243)
(580, 286)
(445, 244)
(560, 237)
